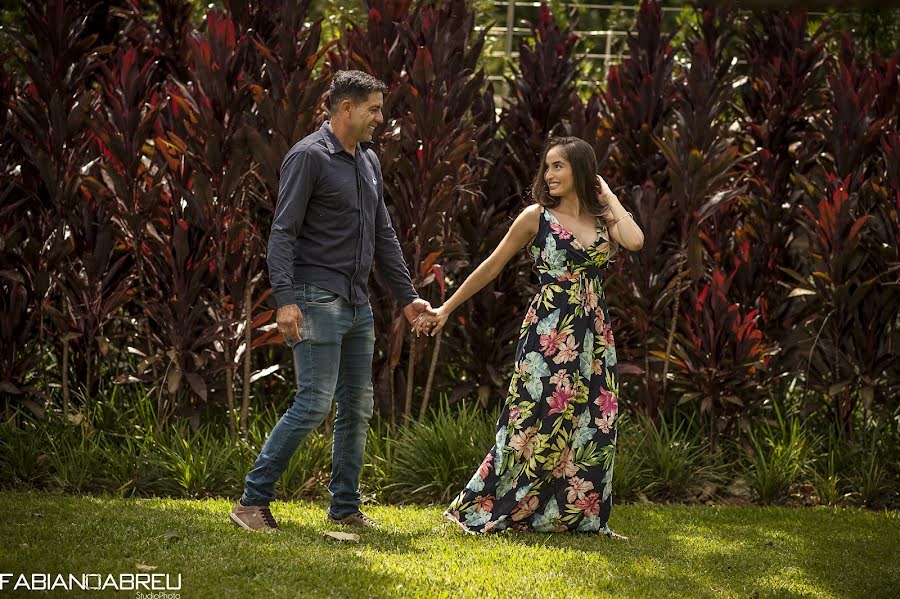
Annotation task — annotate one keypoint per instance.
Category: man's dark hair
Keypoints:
(355, 86)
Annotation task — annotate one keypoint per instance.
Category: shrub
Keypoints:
(777, 457)
(434, 459)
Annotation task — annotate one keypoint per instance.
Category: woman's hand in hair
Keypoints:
(603, 190)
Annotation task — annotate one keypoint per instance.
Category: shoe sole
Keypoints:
(356, 526)
(240, 524)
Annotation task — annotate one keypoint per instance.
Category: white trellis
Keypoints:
(509, 31)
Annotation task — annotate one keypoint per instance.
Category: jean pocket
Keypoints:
(317, 296)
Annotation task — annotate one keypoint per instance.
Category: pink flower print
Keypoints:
(578, 297)
(560, 400)
(577, 489)
(560, 377)
(565, 466)
(565, 276)
(485, 504)
(590, 504)
(525, 508)
(609, 403)
(590, 298)
(608, 335)
(551, 342)
(560, 230)
(598, 367)
(531, 316)
(568, 351)
(605, 423)
(523, 442)
(514, 414)
(486, 466)
(599, 321)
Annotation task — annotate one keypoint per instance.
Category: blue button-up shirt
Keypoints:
(331, 222)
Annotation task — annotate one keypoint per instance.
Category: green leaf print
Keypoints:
(522, 492)
(576, 298)
(547, 295)
(611, 383)
(509, 479)
(549, 519)
(584, 432)
(556, 259)
(476, 483)
(535, 368)
(587, 455)
(548, 323)
(567, 325)
(586, 357)
(608, 455)
(611, 359)
(607, 480)
(589, 524)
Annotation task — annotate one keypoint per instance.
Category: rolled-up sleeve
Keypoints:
(298, 178)
(388, 255)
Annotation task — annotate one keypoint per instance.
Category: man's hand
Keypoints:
(289, 319)
(431, 325)
(417, 307)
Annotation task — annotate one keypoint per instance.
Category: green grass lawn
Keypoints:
(690, 551)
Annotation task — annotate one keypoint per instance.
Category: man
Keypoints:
(330, 223)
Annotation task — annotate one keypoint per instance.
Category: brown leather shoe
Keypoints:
(357, 520)
(253, 517)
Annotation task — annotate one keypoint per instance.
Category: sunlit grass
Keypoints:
(695, 551)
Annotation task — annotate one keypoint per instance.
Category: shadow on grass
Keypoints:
(673, 551)
(717, 550)
(66, 534)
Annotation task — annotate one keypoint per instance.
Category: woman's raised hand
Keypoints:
(602, 187)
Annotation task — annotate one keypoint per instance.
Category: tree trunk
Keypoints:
(90, 379)
(431, 368)
(229, 363)
(65, 377)
(410, 369)
(671, 337)
(144, 319)
(248, 339)
(229, 395)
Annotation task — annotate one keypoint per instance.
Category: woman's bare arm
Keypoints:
(622, 228)
(522, 231)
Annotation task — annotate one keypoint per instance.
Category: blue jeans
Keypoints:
(334, 361)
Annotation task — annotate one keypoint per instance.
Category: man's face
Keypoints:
(366, 116)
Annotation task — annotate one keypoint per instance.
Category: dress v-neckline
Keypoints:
(566, 229)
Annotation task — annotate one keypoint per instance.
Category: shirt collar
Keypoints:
(334, 144)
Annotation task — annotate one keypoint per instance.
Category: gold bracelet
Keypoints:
(627, 214)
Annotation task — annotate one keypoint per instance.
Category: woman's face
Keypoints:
(558, 173)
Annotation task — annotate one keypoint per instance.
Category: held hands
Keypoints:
(431, 324)
(417, 309)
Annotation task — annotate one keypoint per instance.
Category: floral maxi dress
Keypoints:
(552, 466)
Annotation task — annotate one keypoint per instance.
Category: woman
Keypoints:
(551, 468)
